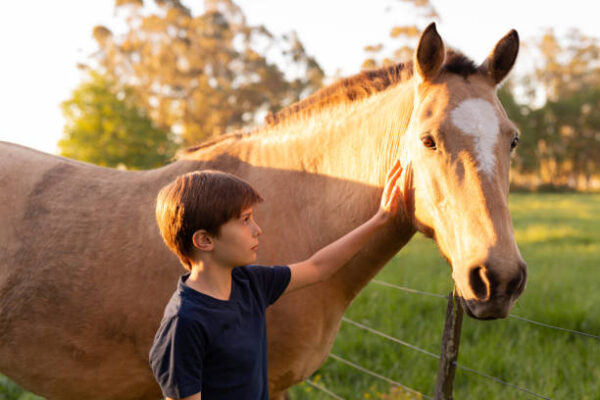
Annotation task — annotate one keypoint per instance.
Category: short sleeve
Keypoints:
(176, 357)
(272, 280)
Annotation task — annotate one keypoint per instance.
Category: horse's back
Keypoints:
(27, 177)
(71, 237)
(20, 169)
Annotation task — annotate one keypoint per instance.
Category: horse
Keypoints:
(84, 275)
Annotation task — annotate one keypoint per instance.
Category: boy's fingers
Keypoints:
(392, 181)
(392, 190)
(398, 173)
(397, 191)
(392, 184)
(392, 203)
(393, 170)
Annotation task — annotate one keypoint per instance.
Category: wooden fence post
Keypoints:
(449, 354)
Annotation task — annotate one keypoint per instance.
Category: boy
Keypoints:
(212, 340)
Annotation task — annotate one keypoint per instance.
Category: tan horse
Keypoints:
(84, 275)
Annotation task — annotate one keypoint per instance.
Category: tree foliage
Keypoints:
(201, 75)
(404, 36)
(104, 126)
(568, 64)
(561, 139)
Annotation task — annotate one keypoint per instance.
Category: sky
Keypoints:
(42, 41)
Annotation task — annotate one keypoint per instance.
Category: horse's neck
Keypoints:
(357, 141)
(353, 145)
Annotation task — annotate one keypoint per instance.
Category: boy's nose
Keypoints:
(257, 230)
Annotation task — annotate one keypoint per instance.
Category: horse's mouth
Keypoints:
(484, 311)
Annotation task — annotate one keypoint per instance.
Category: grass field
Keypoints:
(559, 236)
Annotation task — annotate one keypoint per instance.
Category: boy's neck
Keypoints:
(211, 280)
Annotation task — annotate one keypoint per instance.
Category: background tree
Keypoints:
(404, 37)
(104, 126)
(202, 75)
(562, 137)
(525, 159)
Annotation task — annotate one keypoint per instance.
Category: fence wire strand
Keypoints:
(388, 337)
(554, 327)
(323, 389)
(376, 375)
(409, 290)
(396, 340)
(498, 380)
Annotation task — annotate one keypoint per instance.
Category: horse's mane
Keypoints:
(350, 89)
(365, 84)
(353, 88)
(237, 134)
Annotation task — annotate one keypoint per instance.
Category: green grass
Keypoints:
(10, 391)
(559, 236)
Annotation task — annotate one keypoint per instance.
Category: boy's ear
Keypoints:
(203, 240)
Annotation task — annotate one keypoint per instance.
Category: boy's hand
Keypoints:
(391, 193)
(325, 262)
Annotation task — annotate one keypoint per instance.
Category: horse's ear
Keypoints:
(430, 54)
(502, 58)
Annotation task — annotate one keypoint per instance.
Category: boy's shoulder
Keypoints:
(267, 283)
(255, 269)
(247, 271)
(190, 306)
(258, 273)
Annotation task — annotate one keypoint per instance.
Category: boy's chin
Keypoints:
(249, 260)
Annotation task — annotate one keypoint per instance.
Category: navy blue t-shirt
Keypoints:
(218, 347)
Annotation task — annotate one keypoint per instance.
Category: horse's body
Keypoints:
(84, 275)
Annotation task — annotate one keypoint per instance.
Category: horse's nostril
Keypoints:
(513, 286)
(479, 282)
(517, 284)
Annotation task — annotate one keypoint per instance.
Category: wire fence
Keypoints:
(323, 389)
(513, 316)
(428, 353)
(460, 366)
(376, 375)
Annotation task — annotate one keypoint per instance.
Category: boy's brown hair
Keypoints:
(200, 200)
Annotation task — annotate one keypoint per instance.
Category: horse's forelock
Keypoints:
(458, 63)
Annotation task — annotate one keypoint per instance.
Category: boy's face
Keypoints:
(238, 242)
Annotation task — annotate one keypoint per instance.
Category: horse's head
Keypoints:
(458, 150)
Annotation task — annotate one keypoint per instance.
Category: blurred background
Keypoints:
(126, 83)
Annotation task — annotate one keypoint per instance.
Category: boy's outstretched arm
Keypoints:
(330, 258)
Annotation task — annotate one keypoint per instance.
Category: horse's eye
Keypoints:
(428, 142)
(514, 143)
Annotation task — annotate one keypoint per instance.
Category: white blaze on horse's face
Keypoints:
(477, 118)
